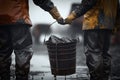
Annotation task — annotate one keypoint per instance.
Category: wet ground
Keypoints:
(40, 65)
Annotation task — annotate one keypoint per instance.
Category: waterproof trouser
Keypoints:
(15, 38)
(98, 60)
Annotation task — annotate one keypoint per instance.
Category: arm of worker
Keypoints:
(48, 6)
(80, 10)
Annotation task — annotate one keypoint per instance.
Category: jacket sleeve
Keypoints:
(47, 5)
(84, 7)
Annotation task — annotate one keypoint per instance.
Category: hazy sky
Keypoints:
(38, 15)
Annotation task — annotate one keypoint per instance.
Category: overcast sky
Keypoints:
(38, 15)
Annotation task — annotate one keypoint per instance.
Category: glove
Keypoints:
(61, 21)
(56, 15)
(70, 18)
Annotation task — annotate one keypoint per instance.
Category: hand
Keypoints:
(68, 21)
(61, 21)
(70, 18)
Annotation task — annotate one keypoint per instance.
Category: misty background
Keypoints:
(42, 30)
(38, 15)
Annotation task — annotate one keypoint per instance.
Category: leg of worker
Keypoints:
(106, 35)
(5, 53)
(96, 50)
(22, 43)
(93, 52)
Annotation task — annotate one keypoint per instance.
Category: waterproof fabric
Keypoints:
(101, 18)
(12, 11)
(17, 38)
(98, 14)
(96, 46)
